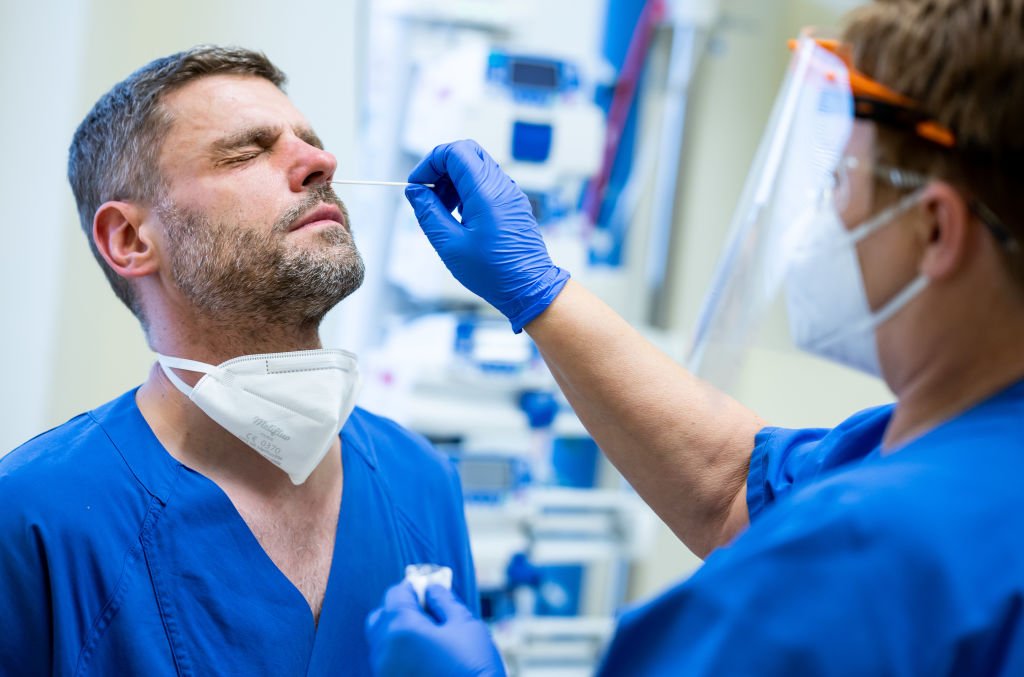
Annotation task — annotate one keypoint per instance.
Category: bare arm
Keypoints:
(683, 445)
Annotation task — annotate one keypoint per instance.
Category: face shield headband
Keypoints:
(876, 102)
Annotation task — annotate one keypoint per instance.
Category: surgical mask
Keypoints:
(289, 407)
(828, 306)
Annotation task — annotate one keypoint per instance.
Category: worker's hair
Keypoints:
(114, 153)
(963, 62)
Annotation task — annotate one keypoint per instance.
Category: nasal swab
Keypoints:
(400, 184)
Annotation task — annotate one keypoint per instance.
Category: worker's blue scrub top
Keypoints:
(115, 559)
(858, 563)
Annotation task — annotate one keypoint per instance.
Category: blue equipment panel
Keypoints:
(532, 79)
(531, 142)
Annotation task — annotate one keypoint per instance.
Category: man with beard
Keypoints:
(154, 535)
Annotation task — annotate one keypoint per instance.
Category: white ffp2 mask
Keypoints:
(828, 306)
(289, 407)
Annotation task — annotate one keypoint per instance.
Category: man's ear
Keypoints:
(124, 239)
(947, 230)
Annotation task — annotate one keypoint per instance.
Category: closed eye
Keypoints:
(240, 158)
(244, 145)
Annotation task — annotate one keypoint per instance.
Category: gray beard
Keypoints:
(230, 273)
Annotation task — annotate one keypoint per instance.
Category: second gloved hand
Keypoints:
(445, 640)
(497, 251)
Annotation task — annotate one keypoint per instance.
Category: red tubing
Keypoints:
(651, 15)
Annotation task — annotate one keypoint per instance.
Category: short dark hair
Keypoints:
(115, 150)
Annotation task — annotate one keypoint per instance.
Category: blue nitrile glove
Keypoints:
(497, 251)
(443, 641)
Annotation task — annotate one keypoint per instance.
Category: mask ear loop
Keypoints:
(905, 296)
(882, 218)
(167, 363)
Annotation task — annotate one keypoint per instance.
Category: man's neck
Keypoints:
(950, 381)
(194, 439)
(215, 341)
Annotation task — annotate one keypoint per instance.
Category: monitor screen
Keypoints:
(534, 74)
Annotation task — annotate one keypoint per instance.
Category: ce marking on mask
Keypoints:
(265, 446)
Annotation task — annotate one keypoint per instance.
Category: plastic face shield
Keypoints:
(799, 163)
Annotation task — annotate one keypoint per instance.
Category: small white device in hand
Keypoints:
(422, 575)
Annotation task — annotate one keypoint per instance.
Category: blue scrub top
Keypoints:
(858, 563)
(117, 559)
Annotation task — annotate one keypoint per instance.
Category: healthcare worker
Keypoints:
(890, 544)
(236, 514)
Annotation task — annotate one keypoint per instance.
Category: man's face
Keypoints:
(253, 228)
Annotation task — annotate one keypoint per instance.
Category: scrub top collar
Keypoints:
(147, 459)
(1010, 394)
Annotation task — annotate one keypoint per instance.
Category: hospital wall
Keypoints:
(68, 344)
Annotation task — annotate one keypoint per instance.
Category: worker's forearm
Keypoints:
(683, 445)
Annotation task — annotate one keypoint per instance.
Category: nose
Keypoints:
(311, 166)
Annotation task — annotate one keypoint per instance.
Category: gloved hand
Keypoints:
(443, 641)
(497, 251)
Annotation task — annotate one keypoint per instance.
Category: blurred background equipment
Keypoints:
(555, 531)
